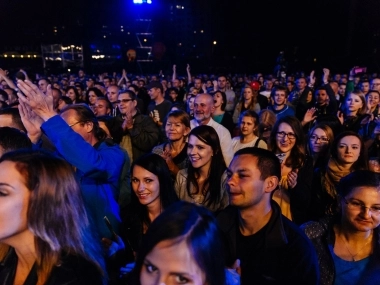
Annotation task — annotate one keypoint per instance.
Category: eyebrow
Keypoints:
(188, 275)
(6, 184)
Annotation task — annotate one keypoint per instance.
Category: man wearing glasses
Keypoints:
(140, 133)
(375, 84)
(78, 139)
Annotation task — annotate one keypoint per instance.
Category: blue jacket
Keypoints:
(98, 170)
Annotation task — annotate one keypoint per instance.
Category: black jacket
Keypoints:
(73, 270)
(287, 256)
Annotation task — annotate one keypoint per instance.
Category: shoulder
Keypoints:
(315, 229)
(158, 149)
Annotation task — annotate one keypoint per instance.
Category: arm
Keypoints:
(144, 133)
(3, 75)
(188, 74)
(174, 76)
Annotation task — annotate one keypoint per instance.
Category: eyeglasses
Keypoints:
(316, 138)
(357, 206)
(124, 101)
(72, 125)
(281, 135)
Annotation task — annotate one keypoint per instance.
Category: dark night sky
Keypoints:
(336, 32)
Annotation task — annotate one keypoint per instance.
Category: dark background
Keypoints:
(337, 34)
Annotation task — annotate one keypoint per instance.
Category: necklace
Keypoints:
(359, 251)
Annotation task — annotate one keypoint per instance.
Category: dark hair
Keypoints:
(195, 225)
(85, 114)
(75, 91)
(155, 164)
(113, 126)
(358, 178)
(131, 94)
(209, 136)
(224, 97)
(362, 162)
(267, 162)
(12, 139)
(4, 94)
(16, 118)
(97, 92)
(279, 88)
(298, 152)
(66, 99)
(56, 214)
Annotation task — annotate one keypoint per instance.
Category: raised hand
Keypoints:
(41, 104)
(31, 121)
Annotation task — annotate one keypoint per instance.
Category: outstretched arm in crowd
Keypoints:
(4, 76)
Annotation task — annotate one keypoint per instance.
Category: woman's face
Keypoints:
(285, 144)
(309, 97)
(92, 97)
(173, 95)
(348, 150)
(171, 263)
(14, 201)
(175, 129)
(248, 94)
(356, 217)
(318, 141)
(146, 186)
(353, 103)
(218, 100)
(71, 94)
(247, 126)
(200, 154)
(373, 99)
(191, 103)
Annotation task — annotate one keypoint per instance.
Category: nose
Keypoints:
(231, 181)
(141, 186)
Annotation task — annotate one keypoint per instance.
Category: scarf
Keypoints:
(333, 175)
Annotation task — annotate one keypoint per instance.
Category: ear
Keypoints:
(134, 103)
(271, 184)
(187, 131)
(89, 127)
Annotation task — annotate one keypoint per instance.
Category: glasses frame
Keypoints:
(322, 139)
(282, 135)
(362, 207)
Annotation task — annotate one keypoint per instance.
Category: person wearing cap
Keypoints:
(279, 96)
(159, 107)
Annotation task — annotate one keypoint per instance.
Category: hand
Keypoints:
(112, 247)
(204, 88)
(174, 67)
(124, 73)
(31, 121)
(155, 116)
(234, 273)
(215, 83)
(309, 115)
(188, 68)
(292, 178)
(128, 122)
(40, 103)
(3, 73)
(312, 78)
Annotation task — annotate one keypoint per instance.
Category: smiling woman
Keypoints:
(204, 181)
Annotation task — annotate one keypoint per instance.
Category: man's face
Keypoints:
(42, 85)
(198, 83)
(153, 93)
(268, 85)
(106, 82)
(245, 187)
(100, 108)
(112, 93)
(364, 87)
(80, 73)
(222, 81)
(375, 84)
(280, 97)
(82, 128)
(203, 108)
(127, 106)
(301, 83)
(342, 89)
(321, 97)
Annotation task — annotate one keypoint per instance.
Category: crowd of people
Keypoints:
(195, 179)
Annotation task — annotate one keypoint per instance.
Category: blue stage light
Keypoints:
(142, 1)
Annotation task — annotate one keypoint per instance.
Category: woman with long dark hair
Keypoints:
(288, 143)
(45, 235)
(204, 181)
